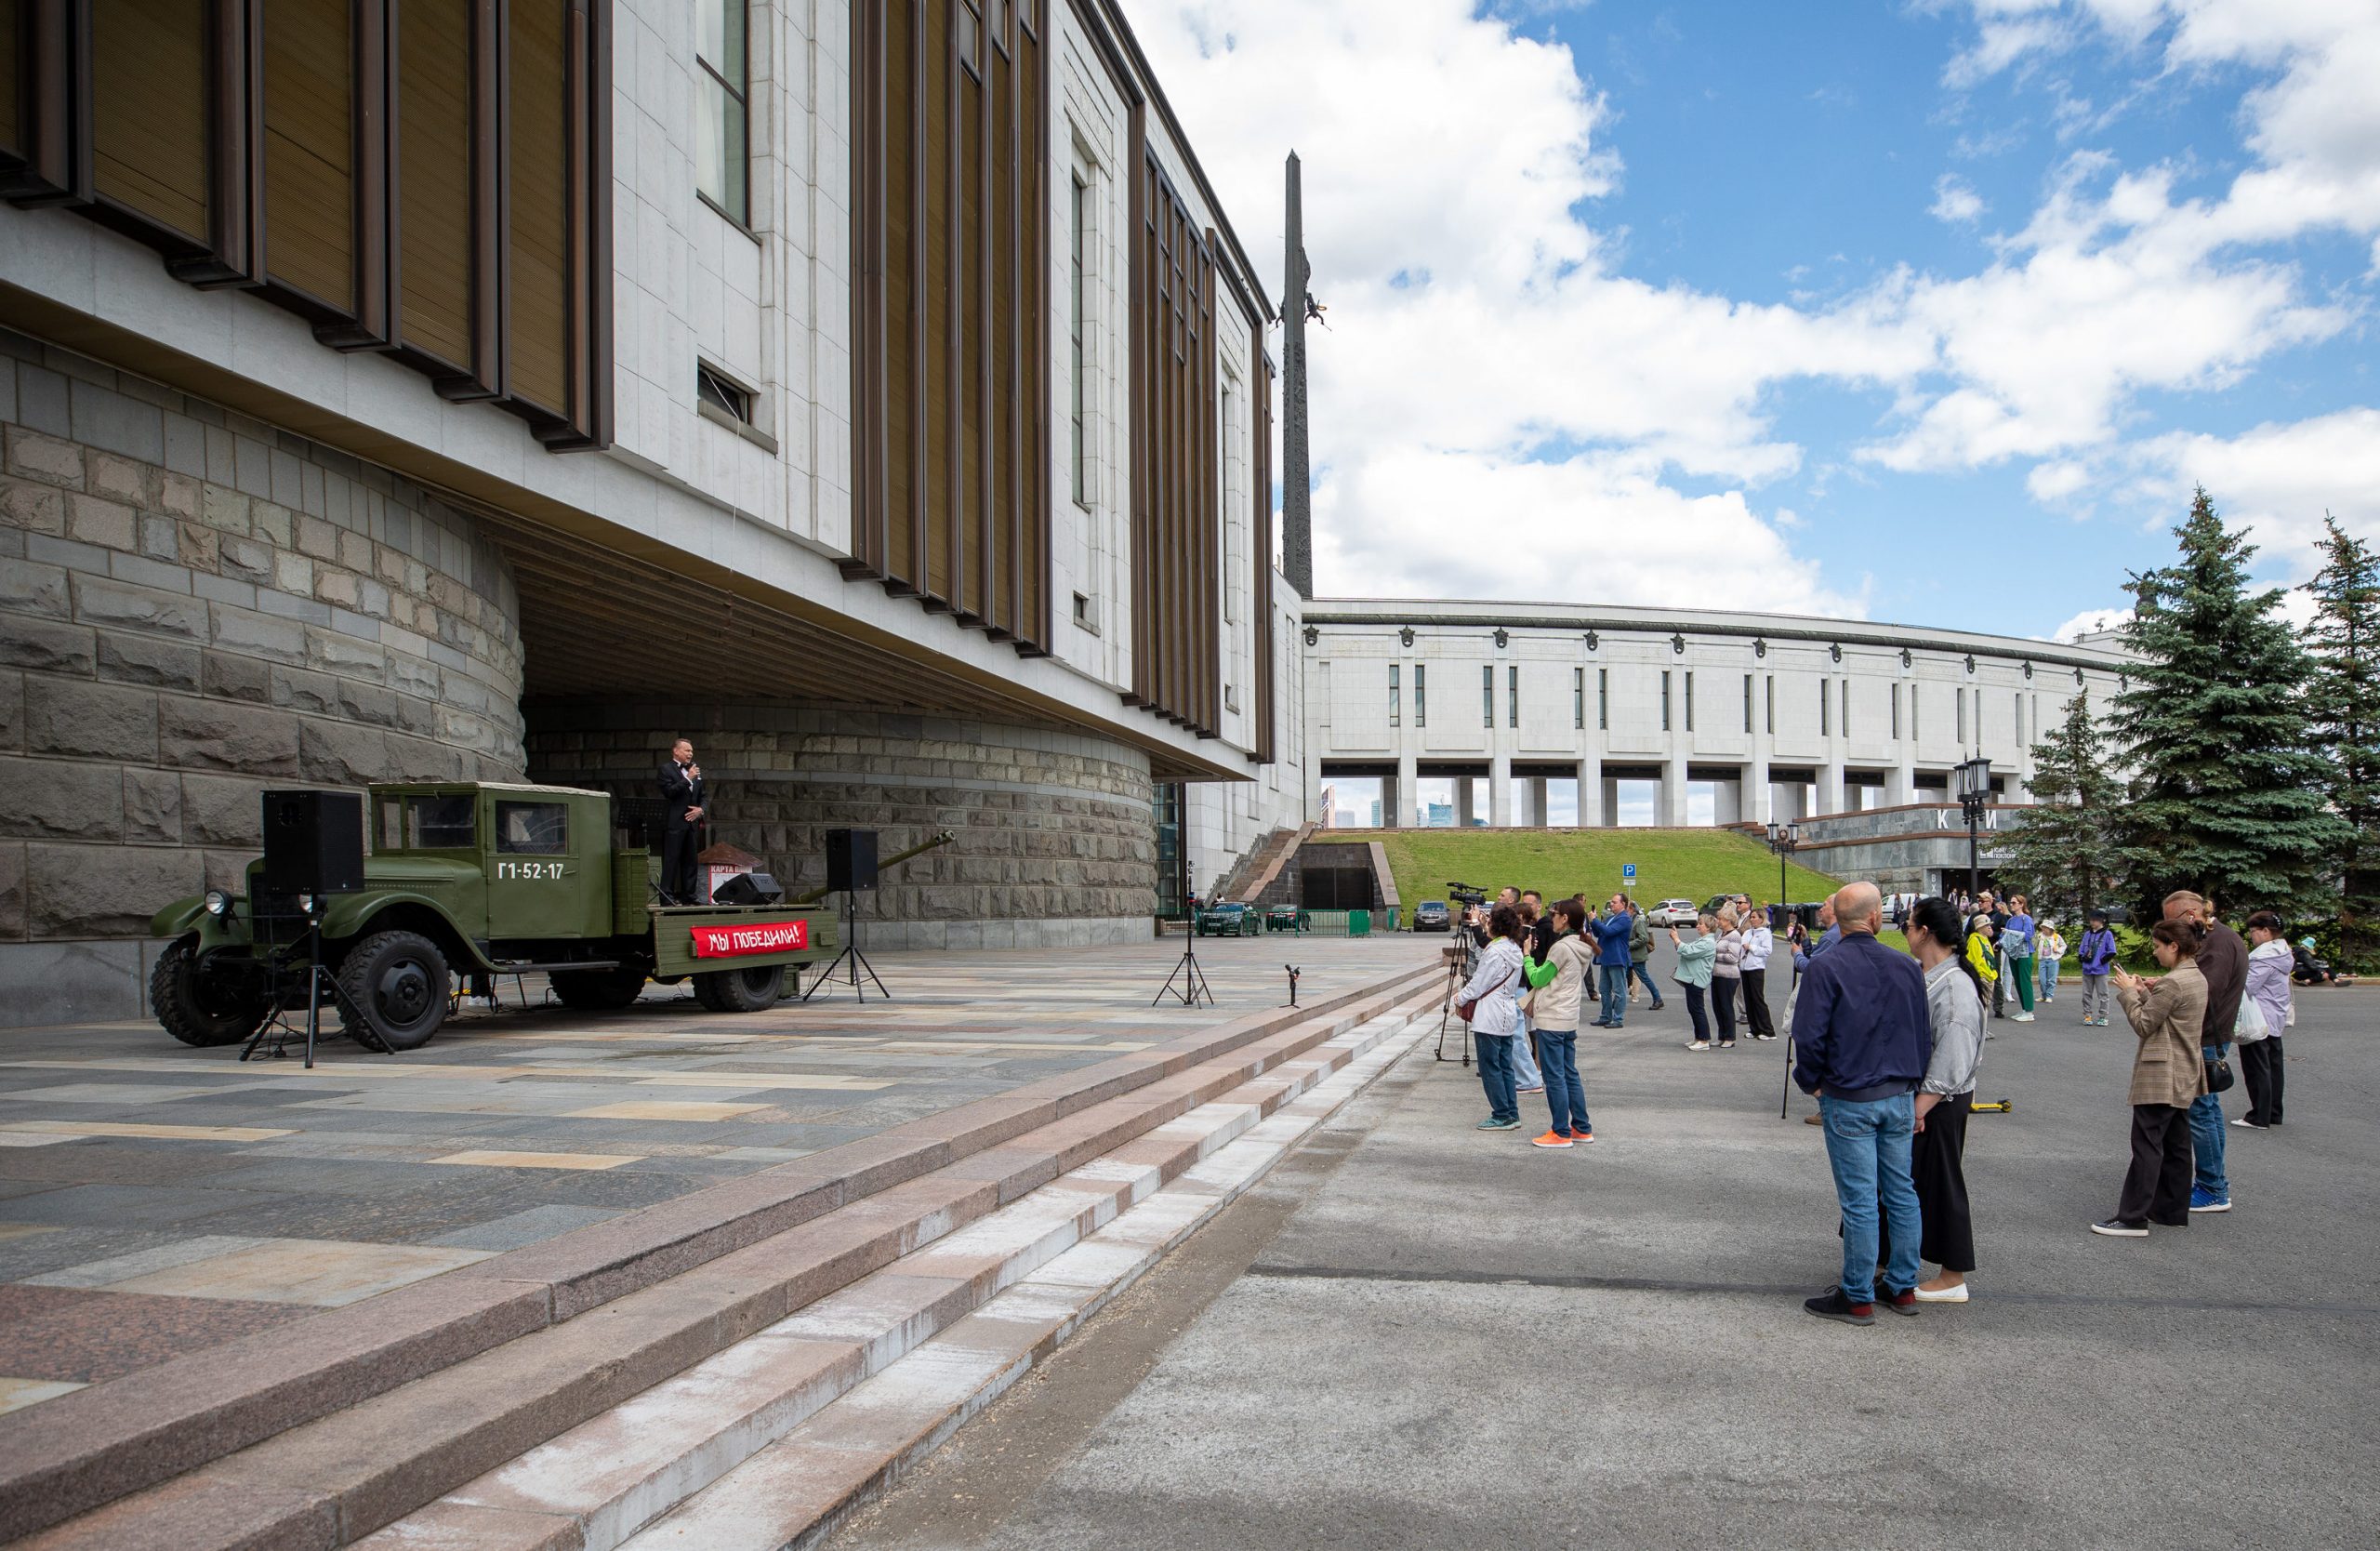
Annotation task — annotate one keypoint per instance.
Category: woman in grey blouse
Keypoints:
(1954, 1001)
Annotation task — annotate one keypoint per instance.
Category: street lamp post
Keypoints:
(1974, 791)
(1784, 840)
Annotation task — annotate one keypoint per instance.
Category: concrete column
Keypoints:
(1671, 807)
(1499, 792)
(1537, 803)
(1408, 794)
(1728, 806)
(1590, 803)
(1901, 784)
(1756, 803)
(1463, 801)
(1830, 798)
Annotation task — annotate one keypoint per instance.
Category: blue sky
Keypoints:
(1924, 312)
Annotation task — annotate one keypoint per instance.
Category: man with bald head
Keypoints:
(1861, 1039)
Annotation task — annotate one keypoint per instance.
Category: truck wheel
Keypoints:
(744, 990)
(201, 1010)
(597, 991)
(398, 982)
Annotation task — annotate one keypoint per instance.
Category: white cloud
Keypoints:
(1954, 202)
(2090, 621)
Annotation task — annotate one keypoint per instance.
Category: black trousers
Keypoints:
(1723, 1003)
(1937, 1165)
(1757, 1003)
(2157, 1189)
(679, 847)
(2260, 1063)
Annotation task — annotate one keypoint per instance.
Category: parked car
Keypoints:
(1230, 920)
(1431, 915)
(1285, 918)
(1672, 912)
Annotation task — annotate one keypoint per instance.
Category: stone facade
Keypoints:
(195, 607)
(1056, 837)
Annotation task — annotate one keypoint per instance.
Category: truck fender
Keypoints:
(404, 910)
(182, 916)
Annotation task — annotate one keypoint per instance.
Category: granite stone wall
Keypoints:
(1056, 838)
(195, 607)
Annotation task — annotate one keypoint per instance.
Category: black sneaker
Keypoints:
(1899, 1302)
(1832, 1305)
(2121, 1227)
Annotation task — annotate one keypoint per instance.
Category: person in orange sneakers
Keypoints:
(1560, 981)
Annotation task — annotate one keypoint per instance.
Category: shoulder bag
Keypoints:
(1470, 1005)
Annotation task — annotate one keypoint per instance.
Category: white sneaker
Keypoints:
(1698, 1044)
(2021, 1018)
(1948, 1295)
(2249, 1123)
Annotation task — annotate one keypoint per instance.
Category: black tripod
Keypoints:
(851, 959)
(1458, 976)
(277, 1027)
(1185, 969)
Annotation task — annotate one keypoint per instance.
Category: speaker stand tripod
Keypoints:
(277, 1026)
(1193, 980)
(851, 960)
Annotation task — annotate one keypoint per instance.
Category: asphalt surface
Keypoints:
(1414, 1334)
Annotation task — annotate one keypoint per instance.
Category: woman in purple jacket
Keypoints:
(2096, 953)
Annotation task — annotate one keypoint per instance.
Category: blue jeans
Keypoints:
(1637, 969)
(1615, 993)
(2206, 1135)
(1558, 1050)
(1867, 1146)
(2049, 975)
(1525, 1072)
(1496, 1074)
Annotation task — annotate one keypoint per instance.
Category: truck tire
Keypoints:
(743, 990)
(597, 991)
(398, 982)
(196, 1010)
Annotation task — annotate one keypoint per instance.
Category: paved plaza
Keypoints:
(1416, 1335)
(156, 1199)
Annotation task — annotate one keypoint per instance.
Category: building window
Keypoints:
(1395, 712)
(1689, 699)
(723, 393)
(1487, 696)
(1747, 705)
(1512, 697)
(1769, 692)
(723, 148)
(1421, 695)
(1895, 713)
(1846, 707)
(1826, 710)
(1913, 700)
(1963, 716)
(1080, 461)
(971, 39)
(1603, 699)
(2020, 698)
(1665, 699)
(1579, 698)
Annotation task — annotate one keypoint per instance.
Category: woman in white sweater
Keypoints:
(1496, 1016)
(1758, 943)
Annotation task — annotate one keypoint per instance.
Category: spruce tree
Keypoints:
(2343, 701)
(2227, 794)
(2061, 852)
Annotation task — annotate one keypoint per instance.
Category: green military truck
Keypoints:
(474, 880)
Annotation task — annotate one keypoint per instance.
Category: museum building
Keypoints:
(874, 392)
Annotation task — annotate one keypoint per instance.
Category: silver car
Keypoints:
(1672, 912)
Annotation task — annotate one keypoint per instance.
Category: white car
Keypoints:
(1672, 912)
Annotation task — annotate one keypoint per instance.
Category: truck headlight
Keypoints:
(217, 902)
(306, 904)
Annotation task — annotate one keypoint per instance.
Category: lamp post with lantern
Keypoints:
(1974, 791)
(1784, 840)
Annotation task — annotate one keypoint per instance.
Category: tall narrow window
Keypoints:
(1579, 698)
(1913, 700)
(1421, 695)
(1080, 243)
(1747, 705)
(1512, 695)
(1963, 716)
(1487, 695)
(1603, 699)
(1846, 707)
(1826, 706)
(721, 144)
(1769, 691)
(1665, 699)
(1689, 699)
(1895, 713)
(2020, 719)
(1395, 712)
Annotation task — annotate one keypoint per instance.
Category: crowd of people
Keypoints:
(1889, 1043)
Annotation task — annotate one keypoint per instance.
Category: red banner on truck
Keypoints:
(758, 936)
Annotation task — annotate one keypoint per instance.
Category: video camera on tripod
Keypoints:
(1463, 894)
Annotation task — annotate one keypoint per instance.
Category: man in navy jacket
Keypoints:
(1861, 1038)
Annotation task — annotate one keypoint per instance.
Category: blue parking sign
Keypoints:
(1628, 873)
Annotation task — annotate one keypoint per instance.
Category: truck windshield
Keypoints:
(440, 823)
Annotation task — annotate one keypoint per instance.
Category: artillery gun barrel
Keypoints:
(941, 837)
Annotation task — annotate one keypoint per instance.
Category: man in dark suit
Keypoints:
(681, 794)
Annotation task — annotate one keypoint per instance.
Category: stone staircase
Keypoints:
(1266, 875)
(732, 1368)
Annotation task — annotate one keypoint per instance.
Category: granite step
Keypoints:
(793, 1492)
(597, 1485)
(332, 1452)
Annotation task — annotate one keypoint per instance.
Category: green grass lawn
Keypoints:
(1683, 864)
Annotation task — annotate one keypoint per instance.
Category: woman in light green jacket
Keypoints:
(1694, 960)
